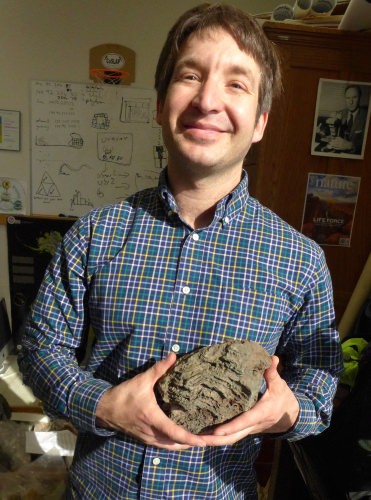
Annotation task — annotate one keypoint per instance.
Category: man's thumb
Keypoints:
(161, 367)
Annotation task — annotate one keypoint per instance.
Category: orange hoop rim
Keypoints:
(108, 74)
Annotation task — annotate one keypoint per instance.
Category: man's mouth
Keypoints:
(203, 131)
(206, 127)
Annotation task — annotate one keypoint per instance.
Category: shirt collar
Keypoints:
(227, 208)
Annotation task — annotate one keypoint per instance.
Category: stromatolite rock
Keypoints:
(213, 384)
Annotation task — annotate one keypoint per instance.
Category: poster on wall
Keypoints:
(10, 130)
(341, 119)
(329, 209)
(12, 196)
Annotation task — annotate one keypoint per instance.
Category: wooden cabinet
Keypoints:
(278, 166)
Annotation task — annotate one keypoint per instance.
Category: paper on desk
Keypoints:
(56, 443)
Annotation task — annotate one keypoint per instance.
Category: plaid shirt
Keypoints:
(150, 284)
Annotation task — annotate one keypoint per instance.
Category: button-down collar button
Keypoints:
(186, 290)
(195, 236)
(227, 219)
(170, 213)
(156, 461)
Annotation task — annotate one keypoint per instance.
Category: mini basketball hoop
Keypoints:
(111, 63)
(109, 76)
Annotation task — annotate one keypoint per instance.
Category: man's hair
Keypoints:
(246, 32)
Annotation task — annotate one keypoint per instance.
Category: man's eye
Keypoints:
(238, 86)
(190, 76)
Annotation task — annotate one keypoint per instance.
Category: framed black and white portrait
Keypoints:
(341, 119)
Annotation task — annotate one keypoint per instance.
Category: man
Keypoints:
(348, 126)
(352, 123)
(193, 262)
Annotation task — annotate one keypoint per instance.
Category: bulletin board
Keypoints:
(92, 144)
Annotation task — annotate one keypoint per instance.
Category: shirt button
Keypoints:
(186, 290)
(170, 213)
(227, 219)
(195, 236)
(175, 348)
(156, 461)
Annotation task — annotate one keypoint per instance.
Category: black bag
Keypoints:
(362, 325)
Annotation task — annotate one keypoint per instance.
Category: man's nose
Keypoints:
(208, 97)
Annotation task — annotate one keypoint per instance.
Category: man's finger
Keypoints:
(161, 367)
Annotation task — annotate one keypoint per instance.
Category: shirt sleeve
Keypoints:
(311, 355)
(56, 329)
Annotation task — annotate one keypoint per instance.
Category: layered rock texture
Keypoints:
(213, 384)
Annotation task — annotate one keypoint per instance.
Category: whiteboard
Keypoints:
(92, 144)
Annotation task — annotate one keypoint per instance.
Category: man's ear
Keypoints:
(159, 106)
(260, 127)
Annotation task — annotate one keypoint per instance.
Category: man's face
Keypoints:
(352, 99)
(208, 117)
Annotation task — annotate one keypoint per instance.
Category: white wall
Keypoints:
(51, 39)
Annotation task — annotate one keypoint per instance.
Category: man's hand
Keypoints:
(340, 144)
(276, 411)
(131, 408)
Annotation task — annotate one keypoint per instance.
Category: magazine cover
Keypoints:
(329, 209)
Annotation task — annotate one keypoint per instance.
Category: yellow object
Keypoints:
(352, 352)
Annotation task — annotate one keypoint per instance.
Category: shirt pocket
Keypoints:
(256, 312)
